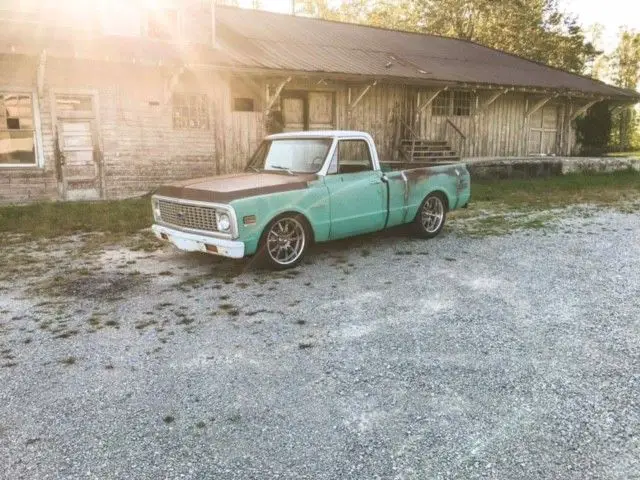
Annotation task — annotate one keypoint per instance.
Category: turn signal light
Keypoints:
(249, 220)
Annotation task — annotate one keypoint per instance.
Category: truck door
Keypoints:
(357, 196)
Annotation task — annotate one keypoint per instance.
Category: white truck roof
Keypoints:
(320, 134)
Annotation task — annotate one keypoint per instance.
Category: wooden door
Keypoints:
(321, 111)
(77, 147)
(78, 163)
(543, 131)
(294, 113)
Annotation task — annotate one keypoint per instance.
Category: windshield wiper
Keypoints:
(282, 168)
(255, 169)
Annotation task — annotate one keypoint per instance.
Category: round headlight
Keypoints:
(224, 223)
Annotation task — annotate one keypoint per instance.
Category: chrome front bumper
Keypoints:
(190, 242)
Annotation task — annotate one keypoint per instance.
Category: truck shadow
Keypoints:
(363, 245)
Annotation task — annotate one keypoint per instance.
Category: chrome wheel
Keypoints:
(286, 241)
(432, 214)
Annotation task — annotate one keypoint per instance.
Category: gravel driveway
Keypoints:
(386, 357)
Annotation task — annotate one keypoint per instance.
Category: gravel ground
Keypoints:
(382, 357)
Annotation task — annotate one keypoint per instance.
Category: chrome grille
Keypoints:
(188, 216)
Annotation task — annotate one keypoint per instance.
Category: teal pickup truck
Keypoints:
(306, 187)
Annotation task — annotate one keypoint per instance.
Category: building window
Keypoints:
(461, 104)
(243, 104)
(190, 111)
(162, 24)
(457, 104)
(17, 133)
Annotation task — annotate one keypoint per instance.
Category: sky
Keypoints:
(611, 14)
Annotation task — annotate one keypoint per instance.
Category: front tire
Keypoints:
(284, 242)
(431, 216)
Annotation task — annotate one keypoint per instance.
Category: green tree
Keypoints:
(626, 74)
(594, 129)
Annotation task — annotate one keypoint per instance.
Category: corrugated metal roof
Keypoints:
(257, 39)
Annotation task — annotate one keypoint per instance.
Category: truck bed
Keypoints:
(391, 165)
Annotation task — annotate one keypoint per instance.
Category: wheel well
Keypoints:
(444, 196)
(301, 216)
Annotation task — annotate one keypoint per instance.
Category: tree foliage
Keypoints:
(535, 29)
(626, 74)
(594, 129)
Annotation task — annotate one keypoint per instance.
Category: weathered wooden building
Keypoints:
(111, 100)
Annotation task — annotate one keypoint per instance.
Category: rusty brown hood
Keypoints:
(225, 188)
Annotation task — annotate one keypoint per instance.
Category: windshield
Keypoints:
(295, 155)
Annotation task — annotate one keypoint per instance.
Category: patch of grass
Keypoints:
(365, 252)
(305, 345)
(201, 424)
(635, 154)
(558, 191)
(67, 334)
(51, 219)
(143, 325)
(504, 223)
(169, 419)
(68, 361)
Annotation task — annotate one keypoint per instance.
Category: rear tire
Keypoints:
(431, 216)
(284, 242)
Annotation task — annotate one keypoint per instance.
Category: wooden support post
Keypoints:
(353, 104)
(422, 107)
(491, 99)
(429, 101)
(40, 73)
(271, 101)
(584, 108)
(539, 104)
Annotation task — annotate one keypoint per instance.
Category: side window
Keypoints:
(353, 156)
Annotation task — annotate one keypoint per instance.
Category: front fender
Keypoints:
(312, 203)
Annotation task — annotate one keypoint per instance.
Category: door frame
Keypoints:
(96, 136)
